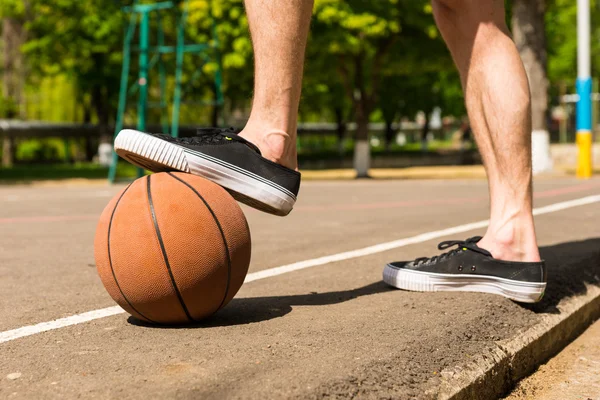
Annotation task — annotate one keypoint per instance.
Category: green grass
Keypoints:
(314, 145)
(329, 152)
(34, 172)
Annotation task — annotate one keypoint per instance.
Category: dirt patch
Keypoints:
(574, 374)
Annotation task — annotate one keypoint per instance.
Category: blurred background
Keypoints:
(375, 70)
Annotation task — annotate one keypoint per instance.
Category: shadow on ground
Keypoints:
(255, 309)
(571, 266)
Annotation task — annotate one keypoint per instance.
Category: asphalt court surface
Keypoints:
(332, 330)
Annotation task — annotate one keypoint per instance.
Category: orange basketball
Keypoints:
(172, 248)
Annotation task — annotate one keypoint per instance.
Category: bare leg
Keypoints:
(279, 30)
(499, 106)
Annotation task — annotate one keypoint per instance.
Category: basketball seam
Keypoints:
(227, 255)
(164, 253)
(110, 258)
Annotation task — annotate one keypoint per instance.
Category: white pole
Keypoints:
(583, 39)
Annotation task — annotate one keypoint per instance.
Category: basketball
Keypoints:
(172, 248)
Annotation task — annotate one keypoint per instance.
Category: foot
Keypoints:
(512, 240)
(469, 268)
(274, 145)
(218, 155)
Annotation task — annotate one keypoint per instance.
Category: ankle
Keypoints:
(275, 145)
(512, 240)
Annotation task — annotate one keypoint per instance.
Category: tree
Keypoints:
(359, 35)
(362, 37)
(529, 32)
(420, 75)
(561, 25)
(13, 17)
(324, 97)
(83, 40)
(230, 24)
(530, 37)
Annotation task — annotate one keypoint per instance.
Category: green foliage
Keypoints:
(8, 107)
(381, 58)
(41, 150)
(365, 42)
(32, 172)
(561, 30)
(12, 8)
(81, 39)
(235, 47)
(382, 54)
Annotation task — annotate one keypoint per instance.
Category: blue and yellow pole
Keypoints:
(584, 90)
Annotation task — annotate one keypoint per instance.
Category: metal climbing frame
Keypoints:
(140, 14)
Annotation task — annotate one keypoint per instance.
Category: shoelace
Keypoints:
(462, 245)
(210, 135)
(204, 136)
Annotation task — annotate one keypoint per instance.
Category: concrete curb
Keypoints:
(495, 372)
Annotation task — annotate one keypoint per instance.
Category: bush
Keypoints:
(40, 150)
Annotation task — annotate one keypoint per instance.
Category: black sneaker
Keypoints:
(221, 156)
(469, 268)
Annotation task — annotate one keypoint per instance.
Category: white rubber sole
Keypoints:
(419, 281)
(158, 155)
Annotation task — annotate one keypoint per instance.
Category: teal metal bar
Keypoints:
(195, 48)
(208, 51)
(188, 48)
(218, 75)
(144, 8)
(178, 74)
(112, 172)
(143, 76)
(164, 118)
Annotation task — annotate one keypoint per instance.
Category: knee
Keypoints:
(448, 5)
(465, 10)
(468, 14)
(466, 6)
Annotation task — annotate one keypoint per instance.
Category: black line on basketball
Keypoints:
(164, 252)
(110, 258)
(220, 230)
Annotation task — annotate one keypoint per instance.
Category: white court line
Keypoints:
(365, 251)
(59, 323)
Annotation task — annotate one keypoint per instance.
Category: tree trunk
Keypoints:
(425, 132)
(99, 104)
(530, 37)
(8, 152)
(390, 133)
(91, 146)
(528, 26)
(362, 151)
(215, 114)
(13, 77)
(340, 128)
(214, 118)
(87, 113)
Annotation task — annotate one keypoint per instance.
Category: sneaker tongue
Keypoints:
(240, 139)
(480, 250)
(229, 133)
